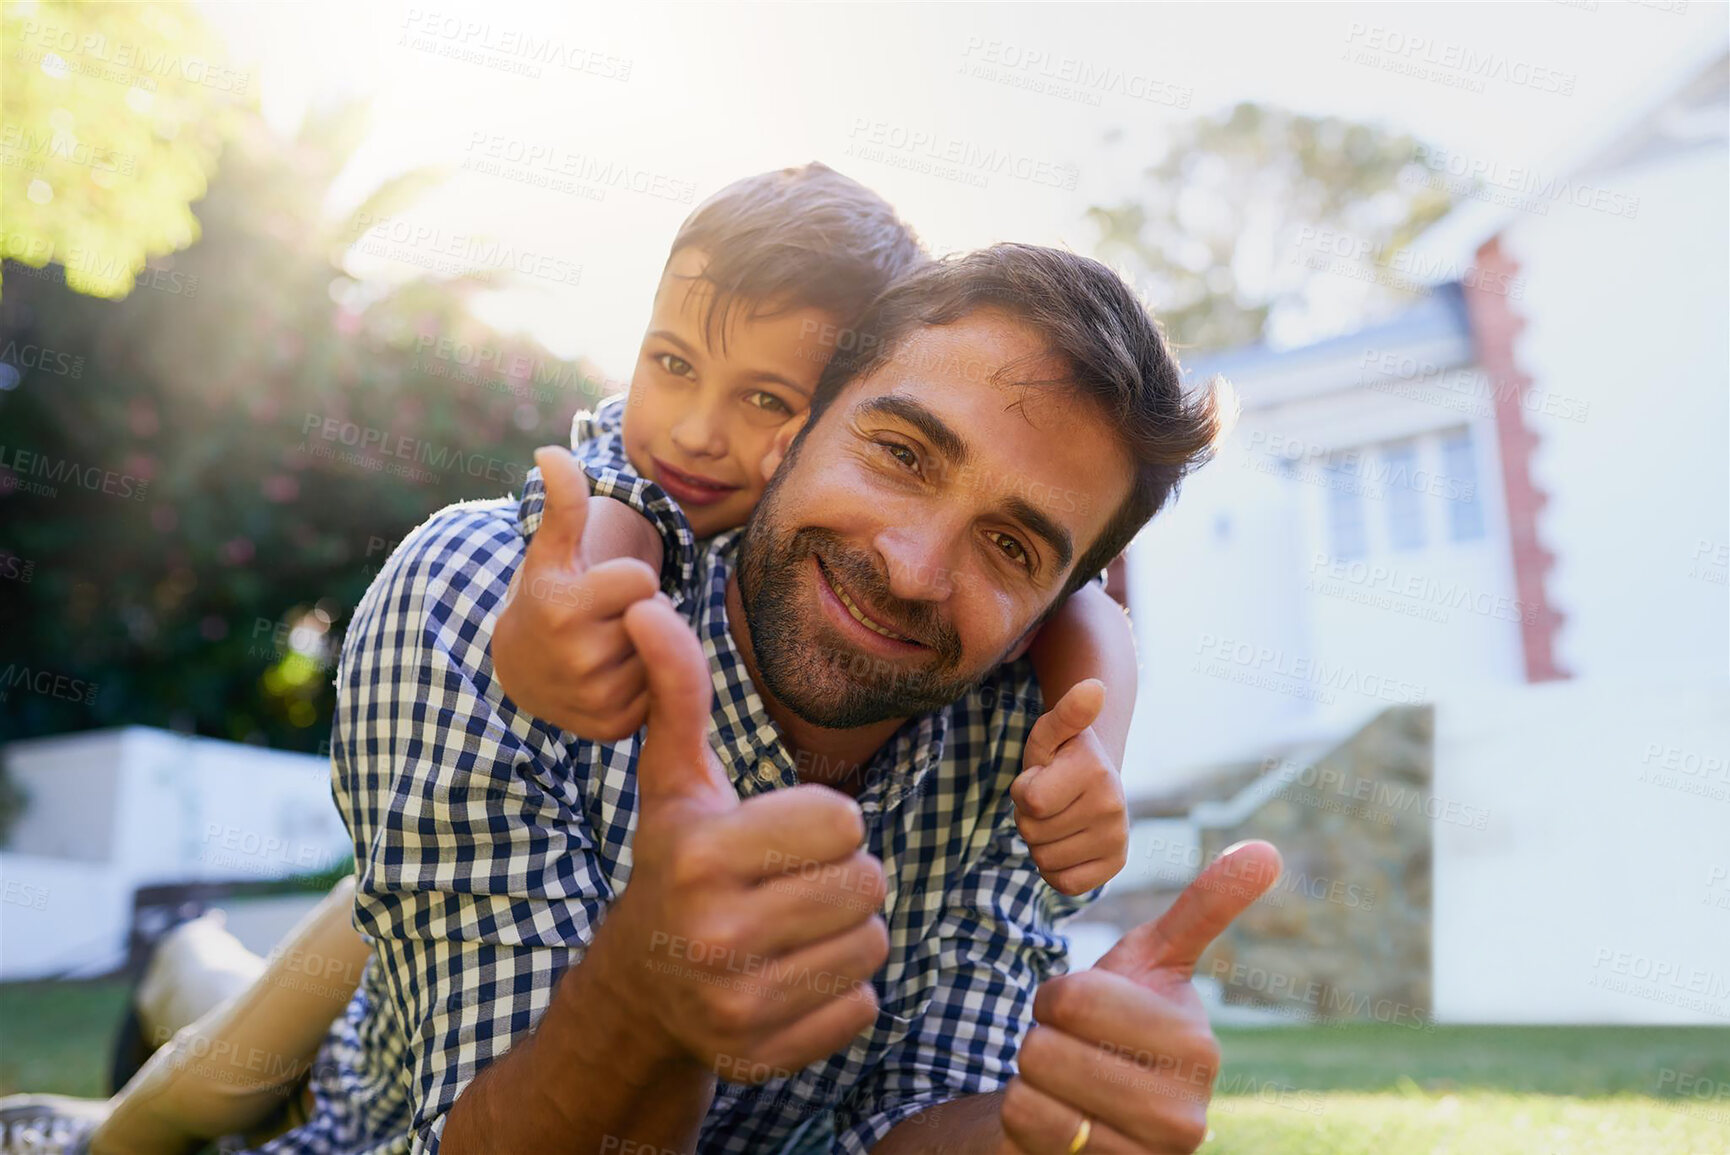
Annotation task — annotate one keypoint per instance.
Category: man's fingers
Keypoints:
(829, 1028)
(1039, 1124)
(1177, 938)
(1132, 1094)
(676, 760)
(566, 508)
(799, 829)
(801, 907)
(1100, 1006)
(839, 966)
(1074, 712)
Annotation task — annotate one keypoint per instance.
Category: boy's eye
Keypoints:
(674, 364)
(769, 403)
(1012, 549)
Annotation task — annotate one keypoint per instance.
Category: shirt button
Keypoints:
(766, 773)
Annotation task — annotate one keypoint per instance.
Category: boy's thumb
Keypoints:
(1074, 712)
(676, 760)
(566, 507)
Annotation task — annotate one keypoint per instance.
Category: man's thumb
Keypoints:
(1176, 939)
(675, 760)
(566, 506)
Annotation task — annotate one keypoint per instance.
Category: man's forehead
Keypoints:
(986, 346)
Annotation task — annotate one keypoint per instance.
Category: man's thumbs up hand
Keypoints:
(1171, 944)
(750, 929)
(559, 646)
(1127, 1044)
(676, 762)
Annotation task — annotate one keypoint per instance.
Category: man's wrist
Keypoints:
(616, 1026)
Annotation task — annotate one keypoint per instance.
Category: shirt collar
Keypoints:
(747, 739)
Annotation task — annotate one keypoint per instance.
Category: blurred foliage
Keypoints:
(1214, 233)
(184, 522)
(114, 115)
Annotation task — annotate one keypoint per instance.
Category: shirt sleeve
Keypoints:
(999, 938)
(478, 874)
(598, 444)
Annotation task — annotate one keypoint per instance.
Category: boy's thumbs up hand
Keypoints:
(1069, 802)
(559, 647)
(564, 509)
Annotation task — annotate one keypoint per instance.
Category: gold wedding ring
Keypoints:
(1082, 1132)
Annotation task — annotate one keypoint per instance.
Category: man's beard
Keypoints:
(802, 659)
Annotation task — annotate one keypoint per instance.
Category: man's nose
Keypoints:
(920, 559)
(699, 431)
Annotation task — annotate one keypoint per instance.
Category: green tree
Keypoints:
(1215, 230)
(114, 115)
(190, 524)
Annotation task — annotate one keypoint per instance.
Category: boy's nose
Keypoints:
(699, 433)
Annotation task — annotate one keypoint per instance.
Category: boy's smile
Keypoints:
(690, 489)
(706, 401)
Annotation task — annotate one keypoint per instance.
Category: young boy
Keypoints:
(759, 288)
(761, 284)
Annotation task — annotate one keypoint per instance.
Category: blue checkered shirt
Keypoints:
(488, 844)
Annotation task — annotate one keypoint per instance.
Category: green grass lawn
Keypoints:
(58, 1036)
(1356, 1090)
(1375, 1090)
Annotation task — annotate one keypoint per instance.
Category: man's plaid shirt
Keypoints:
(489, 844)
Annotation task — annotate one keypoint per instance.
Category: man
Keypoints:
(789, 958)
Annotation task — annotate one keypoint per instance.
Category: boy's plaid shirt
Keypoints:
(489, 844)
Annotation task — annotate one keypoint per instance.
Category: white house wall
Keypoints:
(1632, 317)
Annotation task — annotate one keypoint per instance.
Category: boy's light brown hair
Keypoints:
(796, 238)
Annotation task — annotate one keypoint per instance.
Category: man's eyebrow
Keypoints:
(1037, 522)
(930, 426)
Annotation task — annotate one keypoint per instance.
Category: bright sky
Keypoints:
(641, 110)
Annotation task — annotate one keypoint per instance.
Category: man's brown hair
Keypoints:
(796, 238)
(1115, 357)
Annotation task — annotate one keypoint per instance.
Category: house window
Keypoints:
(1460, 474)
(1346, 538)
(1405, 501)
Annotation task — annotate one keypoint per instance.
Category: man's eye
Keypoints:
(901, 453)
(1012, 549)
(769, 403)
(674, 364)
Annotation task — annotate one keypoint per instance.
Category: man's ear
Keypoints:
(783, 438)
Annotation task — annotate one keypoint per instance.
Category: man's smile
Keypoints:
(837, 597)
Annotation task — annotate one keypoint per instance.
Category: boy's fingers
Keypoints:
(1044, 792)
(1067, 851)
(613, 587)
(566, 507)
(1074, 712)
